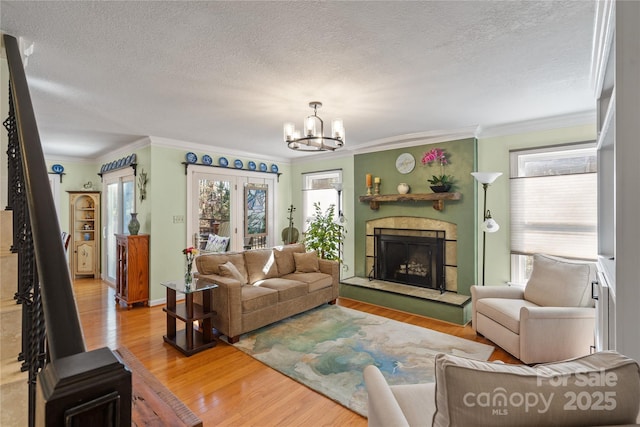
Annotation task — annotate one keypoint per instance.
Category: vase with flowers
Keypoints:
(439, 183)
(190, 254)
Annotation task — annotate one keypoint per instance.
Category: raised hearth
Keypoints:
(450, 298)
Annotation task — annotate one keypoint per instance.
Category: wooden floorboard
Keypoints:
(223, 386)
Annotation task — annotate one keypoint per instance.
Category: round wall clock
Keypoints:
(405, 163)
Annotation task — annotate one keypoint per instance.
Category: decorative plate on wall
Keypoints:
(57, 168)
(238, 164)
(263, 167)
(405, 163)
(274, 168)
(191, 157)
(251, 165)
(222, 161)
(207, 160)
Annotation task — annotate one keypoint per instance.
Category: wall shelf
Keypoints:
(437, 199)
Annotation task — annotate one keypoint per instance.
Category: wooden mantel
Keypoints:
(437, 199)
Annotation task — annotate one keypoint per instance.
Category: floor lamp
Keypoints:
(340, 220)
(489, 225)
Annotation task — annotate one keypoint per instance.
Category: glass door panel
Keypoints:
(214, 214)
(120, 202)
(111, 227)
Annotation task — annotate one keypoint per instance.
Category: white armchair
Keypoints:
(551, 319)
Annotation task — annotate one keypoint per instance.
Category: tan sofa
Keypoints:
(598, 389)
(261, 286)
(551, 319)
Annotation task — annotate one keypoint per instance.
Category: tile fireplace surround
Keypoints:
(416, 223)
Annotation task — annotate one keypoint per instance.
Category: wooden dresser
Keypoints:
(132, 276)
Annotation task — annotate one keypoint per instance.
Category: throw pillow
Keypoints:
(559, 282)
(598, 389)
(228, 269)
(284, 257)
(306, 262)
(216, 243)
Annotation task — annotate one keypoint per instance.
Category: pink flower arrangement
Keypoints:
(190, 254)
(437, 155)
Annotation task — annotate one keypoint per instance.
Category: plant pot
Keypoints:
(440, 188)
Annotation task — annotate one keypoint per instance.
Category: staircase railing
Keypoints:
(67, 384)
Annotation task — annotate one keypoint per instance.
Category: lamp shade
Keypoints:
(486, 177)
(490, 226)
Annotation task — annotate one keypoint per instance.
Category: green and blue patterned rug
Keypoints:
(327, 349)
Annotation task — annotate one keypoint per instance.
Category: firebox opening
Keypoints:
(411, 257)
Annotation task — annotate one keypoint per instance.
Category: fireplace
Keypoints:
(409, 256)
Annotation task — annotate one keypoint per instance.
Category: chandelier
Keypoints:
(314, 139)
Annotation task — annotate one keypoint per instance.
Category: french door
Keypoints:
(119, 200)
(229, 210)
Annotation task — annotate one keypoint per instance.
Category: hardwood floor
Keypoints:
(222, 385)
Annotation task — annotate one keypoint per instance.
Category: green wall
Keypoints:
(493, 156)
(461, 155)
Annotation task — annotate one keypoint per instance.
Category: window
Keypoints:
(319, 187)
(553, 205)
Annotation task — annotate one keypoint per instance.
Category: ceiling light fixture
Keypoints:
(314, 139)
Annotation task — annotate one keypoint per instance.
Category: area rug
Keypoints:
(327, 349)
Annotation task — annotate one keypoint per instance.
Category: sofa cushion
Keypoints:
(228, 269)
(306, 262)
(284, 257)
(260, 264)
(558, 282)
(254, 298)
(598, 389)
(504, 311)
(315, 281)
(287, 289)
(210, 263)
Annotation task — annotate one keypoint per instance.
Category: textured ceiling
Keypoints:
(228, 74)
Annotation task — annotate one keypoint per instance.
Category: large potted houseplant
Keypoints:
(439, 183)
(325, 234)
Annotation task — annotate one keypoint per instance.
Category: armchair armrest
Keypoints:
(555, 333)
(479, 292)
(383, 407)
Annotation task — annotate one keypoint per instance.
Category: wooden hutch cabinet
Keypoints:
(132, 275)
(84, 229)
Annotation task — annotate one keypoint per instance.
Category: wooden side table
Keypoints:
(188, 340)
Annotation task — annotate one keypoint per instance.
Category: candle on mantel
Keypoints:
(377, 180)
(368, 180)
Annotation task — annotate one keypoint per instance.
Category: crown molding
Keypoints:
(124, 151)
(157, 141)
(547, 123)
(414, 139)
(327, 155)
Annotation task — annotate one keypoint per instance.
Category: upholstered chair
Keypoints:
(552, 318)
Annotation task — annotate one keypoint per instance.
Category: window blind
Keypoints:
(556, 215)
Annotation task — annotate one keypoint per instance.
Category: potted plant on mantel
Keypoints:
(439, 183)
(325, 235)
